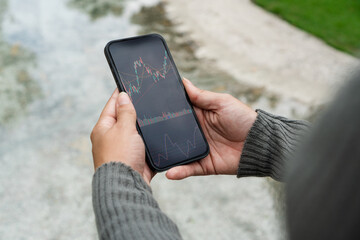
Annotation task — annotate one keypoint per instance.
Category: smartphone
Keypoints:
(143, 67)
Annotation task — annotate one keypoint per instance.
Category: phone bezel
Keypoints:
(120, 86)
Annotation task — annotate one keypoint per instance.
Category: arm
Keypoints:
(123, 203)
(125, 208)
(269, 144)
(322, 190)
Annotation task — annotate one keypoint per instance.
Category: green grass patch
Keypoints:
(337, 22)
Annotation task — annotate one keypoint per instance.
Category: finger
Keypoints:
(202, 98)
(108, 115)
(125, 111)
(181, 172)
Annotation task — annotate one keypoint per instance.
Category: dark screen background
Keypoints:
(165, 117)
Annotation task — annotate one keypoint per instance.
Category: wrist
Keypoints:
(119, 170)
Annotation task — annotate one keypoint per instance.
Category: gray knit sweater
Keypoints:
(323, 196)
(125, 208)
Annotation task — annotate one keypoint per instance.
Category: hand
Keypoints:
(226, 122)
(115, 138)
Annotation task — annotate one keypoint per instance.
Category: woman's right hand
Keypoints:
(226, 122)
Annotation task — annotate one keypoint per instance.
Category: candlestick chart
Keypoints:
(144, 77)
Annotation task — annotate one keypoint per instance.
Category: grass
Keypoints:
(337, 22)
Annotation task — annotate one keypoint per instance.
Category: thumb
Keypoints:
(125, 111)
(184, 171)
(201, 98)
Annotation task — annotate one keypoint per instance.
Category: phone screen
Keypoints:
(165, 117)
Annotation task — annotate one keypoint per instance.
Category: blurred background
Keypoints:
(287, 57)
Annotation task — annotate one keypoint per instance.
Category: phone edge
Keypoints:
(121, 88)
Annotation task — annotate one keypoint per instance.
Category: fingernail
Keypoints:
(123, 98)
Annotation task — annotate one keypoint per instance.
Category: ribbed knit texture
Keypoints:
(125, 208)
(269, 145)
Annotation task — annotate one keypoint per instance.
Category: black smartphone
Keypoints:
(143, 67)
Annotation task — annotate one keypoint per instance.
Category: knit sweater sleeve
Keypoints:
(269, 144)
(125, 208)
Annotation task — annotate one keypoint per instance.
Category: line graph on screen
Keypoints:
(144, 77)
(171, 147)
